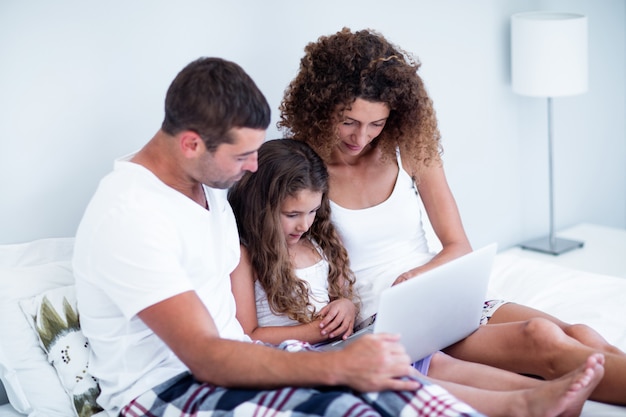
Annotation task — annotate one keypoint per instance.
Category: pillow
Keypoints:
(53, 316)
(27, 270)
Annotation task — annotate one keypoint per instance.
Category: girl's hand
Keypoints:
(338, 318)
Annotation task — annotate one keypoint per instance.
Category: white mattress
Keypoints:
(571, 295)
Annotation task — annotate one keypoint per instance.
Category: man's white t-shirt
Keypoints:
(139, 243)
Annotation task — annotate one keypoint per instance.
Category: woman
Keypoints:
(360, 103)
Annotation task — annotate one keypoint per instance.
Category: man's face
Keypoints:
(231, 161)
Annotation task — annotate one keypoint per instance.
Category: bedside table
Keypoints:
(604, 250)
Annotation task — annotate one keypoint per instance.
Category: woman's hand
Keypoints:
(338, 318)
(404, 277)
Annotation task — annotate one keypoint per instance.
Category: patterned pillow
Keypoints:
(54, 318)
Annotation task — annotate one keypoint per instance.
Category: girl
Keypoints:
(287, 238)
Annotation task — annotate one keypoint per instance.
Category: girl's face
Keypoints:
(297, 214)
(361, 124)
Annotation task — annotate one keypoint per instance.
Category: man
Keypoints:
(152, 261)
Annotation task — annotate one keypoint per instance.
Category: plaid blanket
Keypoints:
(184, 396)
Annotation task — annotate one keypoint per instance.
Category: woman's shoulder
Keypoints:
(418, 168)
(408, 164)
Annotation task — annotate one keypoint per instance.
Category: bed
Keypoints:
(48, 376)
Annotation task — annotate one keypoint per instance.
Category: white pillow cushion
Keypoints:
(55, 321)
(27, 270)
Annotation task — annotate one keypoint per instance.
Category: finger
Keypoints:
(323, 311)
(395, 384)
(342, 328)
(349, 327)
(388, 337)
(336, 327)
(349, 331)
(398, 281)
(329, 318)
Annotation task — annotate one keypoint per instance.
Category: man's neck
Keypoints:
(161, 157)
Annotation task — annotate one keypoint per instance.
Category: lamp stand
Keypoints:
(551, 244)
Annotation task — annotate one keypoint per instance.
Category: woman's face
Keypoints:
(361, 124)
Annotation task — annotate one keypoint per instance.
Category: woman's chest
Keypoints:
(362, 187)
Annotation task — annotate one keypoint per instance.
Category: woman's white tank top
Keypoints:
(383, 241)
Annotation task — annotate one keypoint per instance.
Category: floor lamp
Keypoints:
(549, 59)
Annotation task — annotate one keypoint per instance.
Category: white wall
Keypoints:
(83, 82)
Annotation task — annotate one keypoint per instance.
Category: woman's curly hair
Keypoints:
(286, 167)
(338, 69)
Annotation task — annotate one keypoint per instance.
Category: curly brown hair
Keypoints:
(338, 69)
(285, 168)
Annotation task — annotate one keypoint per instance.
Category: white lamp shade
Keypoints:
(549, 54)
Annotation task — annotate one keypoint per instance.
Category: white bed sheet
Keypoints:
(7, 411)
(571, 295)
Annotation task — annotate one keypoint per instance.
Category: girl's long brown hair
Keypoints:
(286, 167)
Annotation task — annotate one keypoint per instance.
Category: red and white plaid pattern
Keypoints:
(184, 396)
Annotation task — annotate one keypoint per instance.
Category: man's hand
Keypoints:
(376, 362)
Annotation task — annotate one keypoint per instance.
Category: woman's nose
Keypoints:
(362, 136)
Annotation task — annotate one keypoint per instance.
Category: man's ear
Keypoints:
(191, 144)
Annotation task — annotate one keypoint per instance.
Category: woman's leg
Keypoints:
(512, 312)
(562, 397)
(527, 341)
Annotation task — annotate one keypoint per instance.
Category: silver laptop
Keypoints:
(435, 309)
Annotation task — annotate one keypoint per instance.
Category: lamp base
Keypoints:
(545, 246)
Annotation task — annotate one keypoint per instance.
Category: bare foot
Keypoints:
(565, 396)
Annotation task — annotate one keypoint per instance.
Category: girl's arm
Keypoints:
(242, 283)
(444, 216)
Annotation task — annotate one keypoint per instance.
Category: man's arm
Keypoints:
(372, 363)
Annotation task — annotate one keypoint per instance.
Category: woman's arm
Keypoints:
(242, 283)
(444, 216)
